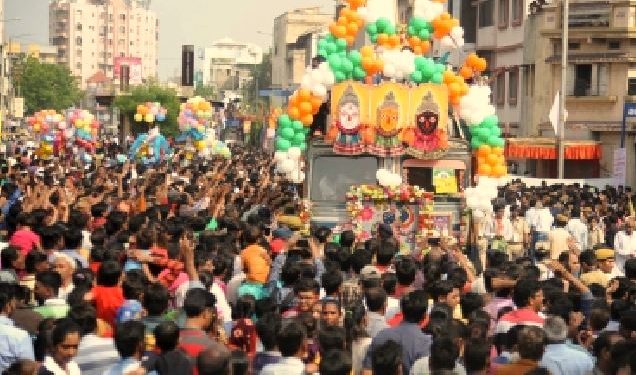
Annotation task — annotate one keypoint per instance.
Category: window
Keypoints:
(78, 65)
(631, 86)
(486, 10)
(582, 79)
(613, 44)
(588, 79)
(79, 27)
(517, 12)
(500, 86)
(122, 29)
(513, 86)
(574, 45)
(78, 41)
(503, 12)
(122, 17)
(338, 173)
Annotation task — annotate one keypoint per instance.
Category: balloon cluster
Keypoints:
(347, 66)
(150, 112)
(475, 106)
(428, 9)
(290, 133)
(489, 146)
(194, 113)
(303, 105)
(45, 120)
(457, 87)
(317, 80)
(84, 127)
(220, 148)
(473, 65)
(288, 162)
(443, 24)
(370, 63)
(479, 198)
(398, 64)
(383, 33)
(330, 45)
(347, 25)
(387, 178)
(150, 148)
(419, 32)
(427, 70)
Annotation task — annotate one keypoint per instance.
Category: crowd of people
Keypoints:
(201, 267)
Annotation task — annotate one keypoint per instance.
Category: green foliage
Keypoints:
(151, 92)
(47, 86)
(262, 79)
(205, 91)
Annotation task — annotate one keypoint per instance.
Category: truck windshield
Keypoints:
(333, 175)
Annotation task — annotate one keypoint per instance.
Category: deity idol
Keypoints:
(348, 140)
(428, 136)
(387, 142)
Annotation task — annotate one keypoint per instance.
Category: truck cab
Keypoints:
(330, 175)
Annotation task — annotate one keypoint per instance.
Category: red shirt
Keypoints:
(108, 299)
(25, 239)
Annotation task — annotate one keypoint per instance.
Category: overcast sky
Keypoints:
(197, 22)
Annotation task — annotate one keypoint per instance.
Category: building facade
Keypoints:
(227, 65)
(601, 77)
(101, 35)
(292, 40)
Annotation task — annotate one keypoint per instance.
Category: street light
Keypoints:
(564, 70)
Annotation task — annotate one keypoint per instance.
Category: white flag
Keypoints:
(554, 113)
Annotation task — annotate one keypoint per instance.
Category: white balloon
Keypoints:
(287, 165)
(280, 155)
(390, 70)
(427, 9)
(306, 82)
(475, 106)
(319, 90)
(294, 153)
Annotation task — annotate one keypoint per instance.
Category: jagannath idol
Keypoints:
(427, 135)
(348, 140)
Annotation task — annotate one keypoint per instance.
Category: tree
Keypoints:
(261, 79)
(151, 92)
(205, 91)
(47, 86)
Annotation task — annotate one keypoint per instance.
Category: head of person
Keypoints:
(166, 336)
(630, 269)
(36, 261)
(307, 292)
(528, 294)
(73, 238)
(605, 259)
(602, 348)
(109, 274)
(331, 282)
(199, 306)
(12, 258)
(64, 341)
(376, 299)
(156, 299)
(252, 235)
(85, 316)
(531, 343)
(476, 356)
(47, 285)
(444, 291)
(386, 252)
(330, 314)
(629, 227)
(215, 360)
(587, 259)
(65, 266)
(291, 340)
(335, 362)
(267, 328)
(627, 326)
(129, 339)
(405, 270)
(556, 329)
(331, 337)
(499, 211)
(387, 358)
(414, 306)
(444, 354)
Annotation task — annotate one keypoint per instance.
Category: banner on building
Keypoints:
(619, 166)
(135, 69)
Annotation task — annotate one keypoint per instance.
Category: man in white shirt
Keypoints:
(291, 344)
(577, 228)
(499, 228)
(625, 245)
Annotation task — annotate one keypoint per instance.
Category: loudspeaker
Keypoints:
(187, 65)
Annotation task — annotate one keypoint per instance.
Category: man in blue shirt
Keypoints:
(15, 343)
(415, 344)
(560, 358)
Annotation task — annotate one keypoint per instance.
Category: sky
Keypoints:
(198, 22)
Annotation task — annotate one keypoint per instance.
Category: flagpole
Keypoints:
(564, 71)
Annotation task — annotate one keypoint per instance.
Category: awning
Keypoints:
(545, 149)
(439, 163)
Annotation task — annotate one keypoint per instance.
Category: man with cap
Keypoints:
(590, 273)
(606, 263)
(559, 237)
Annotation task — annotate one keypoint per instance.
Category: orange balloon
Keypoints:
(332, 28)
(408, 136)
(454, 99)
(316, 102)
(395, 41)
(355, 4)
(342, 20)
(464, 89)
(352, 28)
(484, 151)
(499, 171)
(293, 100)
(449, 77)
(341, 31)
(304, 95)
(498, 151)
(466, 72)
(346, 12)
(418, 50)
(492, 159)
(367, 51)
(472, 60)
(307, 119)
(414, 41)
(481, 65)
(350, 39)
(481, 160)
(379, 66)
(305, 108)
(484, 170)
(383, 39)
(293, 112)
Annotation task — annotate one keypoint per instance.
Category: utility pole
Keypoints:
(564, 72)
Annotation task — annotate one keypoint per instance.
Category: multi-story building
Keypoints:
(102, 35)
(601, 78)
(227, 64)
(17, 51)
(292, 40)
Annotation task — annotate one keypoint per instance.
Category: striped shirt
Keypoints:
(15, 343)
(96, 354)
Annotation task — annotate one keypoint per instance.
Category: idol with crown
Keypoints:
(429, 133)
(388, 128)
(348, 124)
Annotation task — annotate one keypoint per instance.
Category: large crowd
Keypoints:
(201, 267)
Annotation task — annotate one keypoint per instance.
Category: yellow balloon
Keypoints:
(139, 117)
(150, 117)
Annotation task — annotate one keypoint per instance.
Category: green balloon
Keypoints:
(428, 69)
(322, 44)
(282, 144)
(440, 68)
(390, 29)
(412, 30)
(418, 22)
(297, 125)
(335, 62)
(437, 78)
(341, 44)
(295, 143)
(372, 29)
(359, 73)
(493, 141)
(382, 23)
(284, 121)
(331, 47)
(473, 130)
(287, 133)
(496, 131)
(500, 142)
(306, 130)
(355, 57)
(475, 143)
(490, 121)
(373, 37)
(323, 53)
(303, 147)
(420, 62)
(347, 66)
(424, 34)
(299, 137)
(417, 76)
(340, 76)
